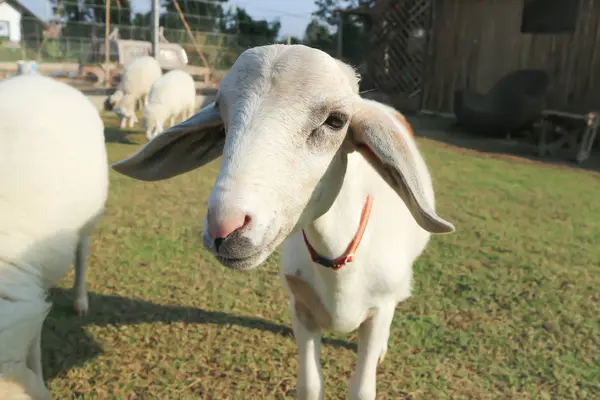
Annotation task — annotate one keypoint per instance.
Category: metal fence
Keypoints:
(74, 45)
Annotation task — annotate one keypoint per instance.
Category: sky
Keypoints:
(293, 14)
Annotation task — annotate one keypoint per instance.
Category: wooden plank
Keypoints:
(478, 42)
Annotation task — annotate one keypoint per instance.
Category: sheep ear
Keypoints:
(386, 142)
(179, 149)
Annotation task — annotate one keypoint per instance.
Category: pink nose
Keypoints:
(223, 227)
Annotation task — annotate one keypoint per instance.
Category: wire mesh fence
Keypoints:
(69, 33)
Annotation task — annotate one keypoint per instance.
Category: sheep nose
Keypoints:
(219, 227)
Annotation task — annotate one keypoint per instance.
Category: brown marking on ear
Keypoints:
(310, 310)
(394, 157)
(404, 123)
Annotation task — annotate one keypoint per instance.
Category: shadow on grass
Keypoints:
(65, 344)
(446, 130)
(116, 135)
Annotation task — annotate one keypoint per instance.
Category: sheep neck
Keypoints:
(348, 256)
(333, 233)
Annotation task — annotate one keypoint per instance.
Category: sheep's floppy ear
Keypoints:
(179, 149)
(387, 146)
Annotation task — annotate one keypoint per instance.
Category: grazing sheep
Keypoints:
(112, 100)
(337, 179)
(172, 96)
(54, 175)
(136, 81)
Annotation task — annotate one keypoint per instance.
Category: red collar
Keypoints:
(348, 257)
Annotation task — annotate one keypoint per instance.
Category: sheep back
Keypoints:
(53, 169)
(173, 91)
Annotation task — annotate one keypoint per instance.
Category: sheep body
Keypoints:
(303, 153)
(136, 81)
(172, 96)
(54, 175)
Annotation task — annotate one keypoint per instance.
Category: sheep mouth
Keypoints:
(245, 262)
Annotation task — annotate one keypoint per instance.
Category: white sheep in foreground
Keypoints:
(172, 96)
(308, 163)
(136, 81)
(54, 175)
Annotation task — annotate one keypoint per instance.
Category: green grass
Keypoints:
(506, 308)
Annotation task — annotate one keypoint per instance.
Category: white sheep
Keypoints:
(308, 163)
(172, 96)
(136, 81)
(54, 174)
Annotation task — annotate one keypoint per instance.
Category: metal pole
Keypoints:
(107, 44)
(340, 33)
(155, 35)
(289, 39)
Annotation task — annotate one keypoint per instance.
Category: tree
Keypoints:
(354, 29)
(318, 36)
(325, 8)
(82, 18)
(250, 32)
(93, 11)
(200, 16)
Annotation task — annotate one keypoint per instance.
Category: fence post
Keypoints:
(107, 45)
(155, 14)
(340, 35)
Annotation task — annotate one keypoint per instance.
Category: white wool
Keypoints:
(172, 96)
(54, 175)
(136, 81)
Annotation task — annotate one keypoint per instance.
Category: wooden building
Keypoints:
(473, 43)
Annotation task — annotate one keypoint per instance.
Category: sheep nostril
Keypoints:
(218, 243)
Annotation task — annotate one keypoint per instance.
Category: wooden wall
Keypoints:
(476, 42)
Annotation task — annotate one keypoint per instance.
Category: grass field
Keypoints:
(506, 308)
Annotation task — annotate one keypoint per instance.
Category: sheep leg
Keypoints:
(122, 121)
(81, 295)
(372, 347)
(132, 120)
(309, 385)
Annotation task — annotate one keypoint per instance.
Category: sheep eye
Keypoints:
(336, 121)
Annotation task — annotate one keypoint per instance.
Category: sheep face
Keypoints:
(280, 121)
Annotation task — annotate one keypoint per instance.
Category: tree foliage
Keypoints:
(354, 29)
(325, 8)
(250, 32)
(92, 11)
(200, 16)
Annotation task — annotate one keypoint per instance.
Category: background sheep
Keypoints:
(134, 87)
(303, 155)
(172, 96)
(112, 100)
(54, 175)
